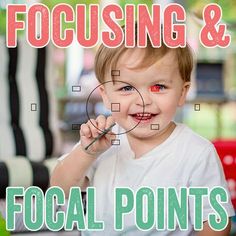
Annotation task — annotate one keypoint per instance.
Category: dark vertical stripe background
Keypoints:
(40, 175)
(14, 100)
(4, 182)
(43, 99)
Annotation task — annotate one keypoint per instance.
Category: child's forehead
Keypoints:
(135, 58)
(132, 56)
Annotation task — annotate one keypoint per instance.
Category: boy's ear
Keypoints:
(183, 96)
(105, 99)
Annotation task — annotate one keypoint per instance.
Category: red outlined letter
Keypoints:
(109, 39)
(213, 34)
(129, 25)
(93, 25)
(57, 12)
(42, 38)
(146, 25)
(169, 27)
(12, 24)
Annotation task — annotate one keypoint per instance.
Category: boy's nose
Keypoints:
(143, 99)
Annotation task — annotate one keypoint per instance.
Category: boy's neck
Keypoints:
(142, 146)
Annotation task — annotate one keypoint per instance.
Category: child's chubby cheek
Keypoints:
(120, 114)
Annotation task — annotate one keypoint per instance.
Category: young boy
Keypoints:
(154, 151)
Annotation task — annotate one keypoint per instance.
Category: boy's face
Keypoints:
(160, 86)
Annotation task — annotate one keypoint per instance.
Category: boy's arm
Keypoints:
(208, 231)
(72, 169)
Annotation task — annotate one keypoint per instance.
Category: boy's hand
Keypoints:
(88, 132)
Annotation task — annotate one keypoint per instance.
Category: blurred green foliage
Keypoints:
(122, 3)
(2, 22)
(50, 5)
(3, 231)
(72, 3)
(228, 7)
(204, 122)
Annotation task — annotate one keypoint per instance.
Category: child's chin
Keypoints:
(142, 133)
(139, 130)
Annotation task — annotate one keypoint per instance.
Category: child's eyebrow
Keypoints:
(156, 81)
(165, 81)
(120, 82)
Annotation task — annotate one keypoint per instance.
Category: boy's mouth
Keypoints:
(143, 116)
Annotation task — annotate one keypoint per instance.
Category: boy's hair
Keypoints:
(106, 59)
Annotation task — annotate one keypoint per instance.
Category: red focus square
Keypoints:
(155, 88)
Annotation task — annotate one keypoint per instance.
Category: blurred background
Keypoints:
(210, 109)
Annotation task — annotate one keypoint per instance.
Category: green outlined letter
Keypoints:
(177, 207)
(198, 194)
(34, 208)
(124, 203)
(75, 211)
(54, 219)
(160, 209)
(91, 206)
(141, 208)
(11, 206)
(220, 211)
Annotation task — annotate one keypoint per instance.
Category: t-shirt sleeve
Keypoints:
(208, 172)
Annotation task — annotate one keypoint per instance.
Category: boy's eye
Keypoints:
(158, 87)
(127, 88)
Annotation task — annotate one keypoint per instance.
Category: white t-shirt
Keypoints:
(184, 159)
